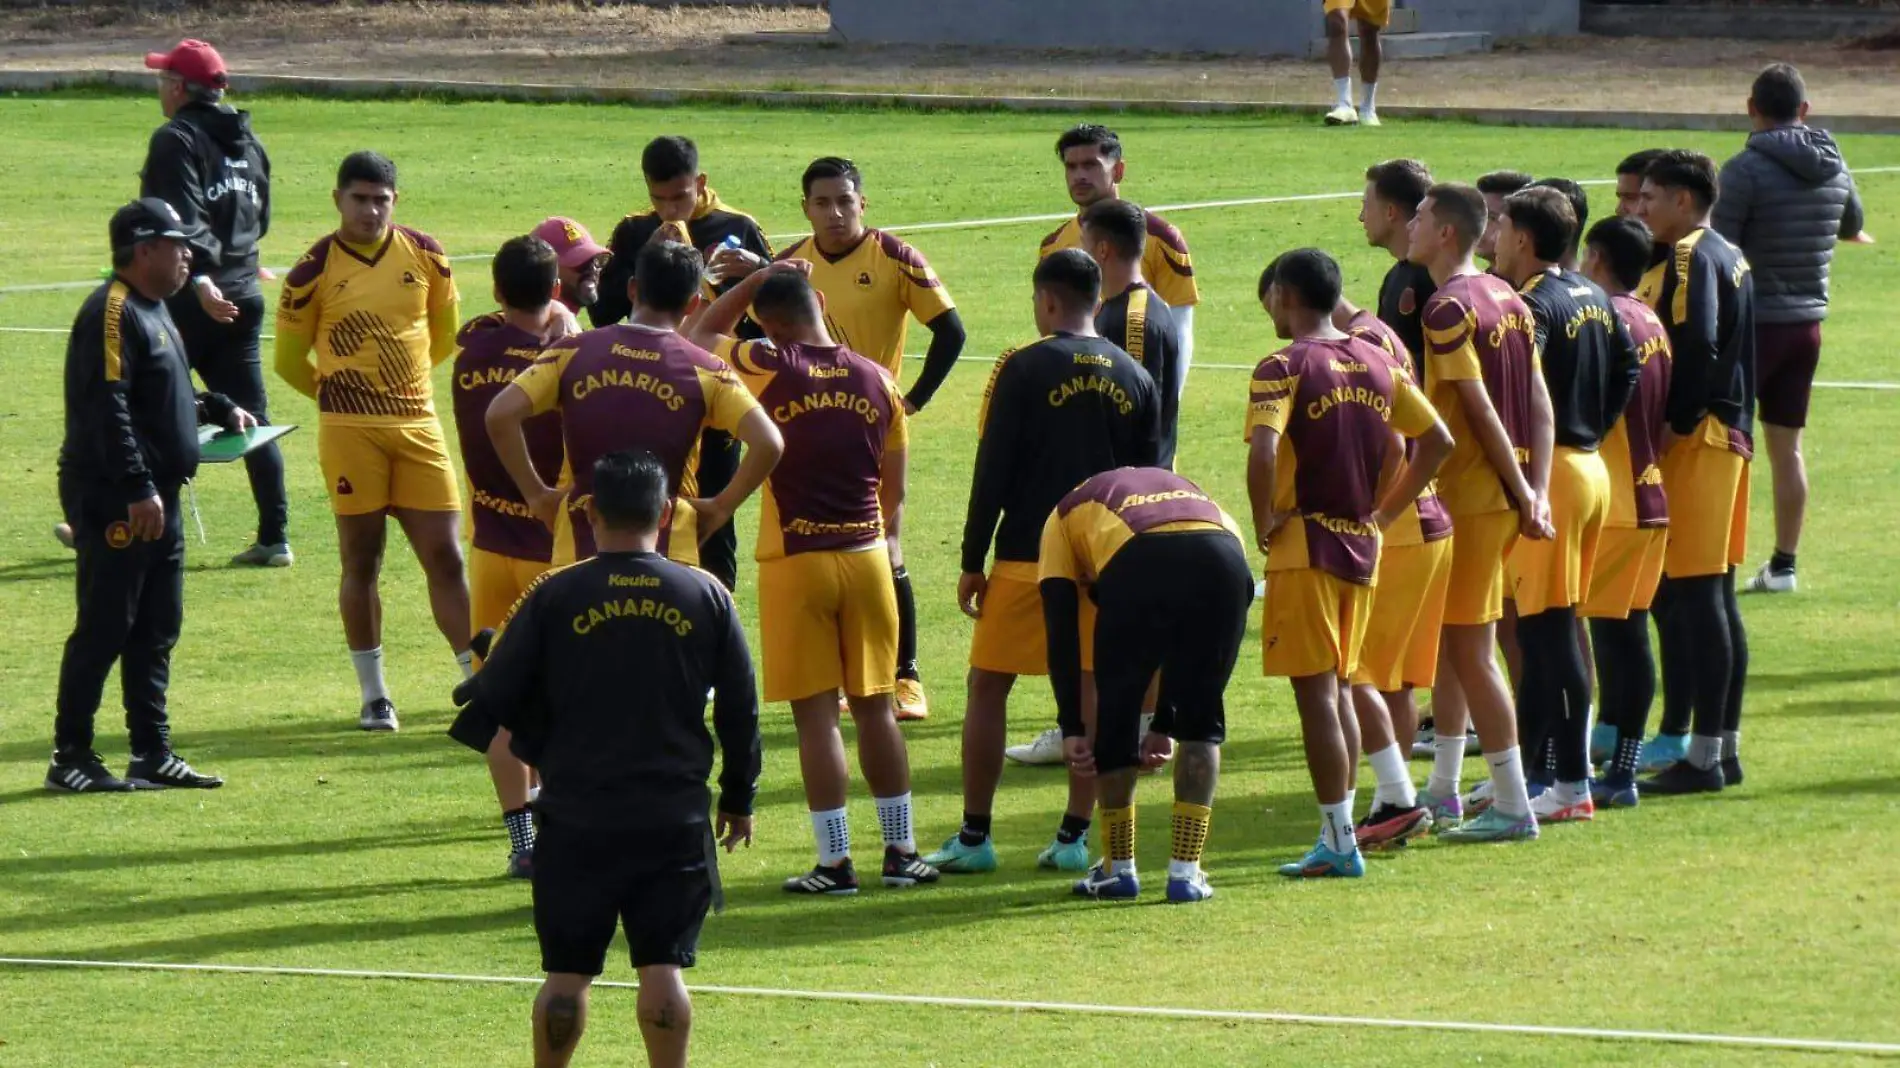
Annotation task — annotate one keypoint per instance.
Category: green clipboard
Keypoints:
(217, 446)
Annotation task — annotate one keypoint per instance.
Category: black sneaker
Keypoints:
(1682, 777)
(521, 864)
(378, 715)
(907, 869)
(168, 770)
(837, 882)
(1390, 826)
(1731, 771)
(84, 773)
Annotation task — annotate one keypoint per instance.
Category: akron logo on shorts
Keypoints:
(119, 534)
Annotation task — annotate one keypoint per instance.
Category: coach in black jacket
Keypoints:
(131, 442)
(206, 163)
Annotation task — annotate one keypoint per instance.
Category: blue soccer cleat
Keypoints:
(1103, 885)
(1602, 743)
(1615, 792)
(1065, 856)
(1324, 863)
(956, 858)
(1661, 751)
(1188, 891)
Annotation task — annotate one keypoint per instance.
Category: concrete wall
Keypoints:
(1261, 27)
(1717, 20)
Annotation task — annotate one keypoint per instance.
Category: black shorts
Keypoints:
(1175, 604)
(655, 882)
(1786, 358)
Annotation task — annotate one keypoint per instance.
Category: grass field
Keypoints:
(1766, 911)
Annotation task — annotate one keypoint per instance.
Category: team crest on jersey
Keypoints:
(1408, 301)
(409, 279)
(119, 535)
(343, 486)
(864, 279)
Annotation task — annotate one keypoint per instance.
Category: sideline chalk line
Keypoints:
(1227, 1015)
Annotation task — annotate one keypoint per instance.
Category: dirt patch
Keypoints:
(698, 47)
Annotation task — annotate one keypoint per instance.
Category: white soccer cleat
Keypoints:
(1369, 118)
(1046, 749)
(1343, 115)
(1768, 580)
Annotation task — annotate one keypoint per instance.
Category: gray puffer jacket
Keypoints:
(1785, 200)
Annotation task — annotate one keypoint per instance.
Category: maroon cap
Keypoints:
(194, 61)
(573, 245)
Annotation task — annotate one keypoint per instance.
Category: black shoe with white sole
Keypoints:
(168, 771)
(903, 869)
(833, 881)
(83, 773)
(378, 715)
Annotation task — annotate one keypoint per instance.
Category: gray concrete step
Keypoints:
(1420, 45)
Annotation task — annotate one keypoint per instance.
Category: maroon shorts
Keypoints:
(1786, 355)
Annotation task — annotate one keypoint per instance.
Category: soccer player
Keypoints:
(510, 547)
(1369, 16)
(1402, 632)
(1055, 412)
(1093, 168)
(1629, 180)
(1707, 304)
(1164, 567)
(581, 260)
(873, 284)
(1115, 234)
(1787, 199)
(625, 838)
(377, 304)
(1630, 552)
(1590, 368)
(828, 537)
(637, 384)
(1319, 432)
(1481, 372)
(1393, 192)
(1496, 186)
(690, 211)
(1579, 202)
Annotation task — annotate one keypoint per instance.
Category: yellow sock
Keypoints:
(1119, 824)
(1190, 833)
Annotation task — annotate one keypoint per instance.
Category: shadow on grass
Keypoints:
(308, 736)
(410, 837)
(1865, 786)
(199, 906)
(214, 944)
(42, 570)
(1870, 706)
(1758, 682)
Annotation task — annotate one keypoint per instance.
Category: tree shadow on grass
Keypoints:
(1758, 681)
(408, 837)
(1864, 786)
(1850, 709)
(276, 739)
(198, 907)
(214, 944)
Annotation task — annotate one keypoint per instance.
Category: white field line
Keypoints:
(1157, 1012)
(959, 224)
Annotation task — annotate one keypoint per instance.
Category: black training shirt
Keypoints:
(1590, 363)
(1402, 296)
(1143, 325)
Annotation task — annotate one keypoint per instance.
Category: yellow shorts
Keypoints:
(1371, 12)
(828, 621)
(375, 468)
(679, 538)
(1479, 546)
(1313, 623)
(495, 583)
(1408, 612)
(1629, 568)
(1011, 638)
(1708, 504)
(1555, 572)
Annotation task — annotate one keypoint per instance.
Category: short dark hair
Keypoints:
(630, 490)
(669, 157)
(1124, 224)
(833, 167)
(1625, 244)
(526, 271)
(1311, 275)
(1403, 182)
(1266, 276)
(1463, 207)
(1546, 216)
(1101, 138)
(1638, 162)
(1778, 92)
(786, 297)
(1579, 201)
(122, 256)
(1682, 168)
(366, 166)
(1502, 183)
(1072, 276)
(668, 274)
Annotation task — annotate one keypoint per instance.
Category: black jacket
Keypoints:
(206, 163)
(131, 416)
(1784, 201)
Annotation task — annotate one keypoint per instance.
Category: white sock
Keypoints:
(893, 818)
(1395, 783)
(1509, 791)
(1570, 793)
(1335, 826)
(1705, 752)
(1117, 867)
(369, 673)
(834, 836)
(466, 661)
(1448, 764)
(1342, 91)
(1183, 869)
(1731, 745)
(1368, 93)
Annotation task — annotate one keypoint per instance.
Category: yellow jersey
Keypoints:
(870, 293)
(1165, 263)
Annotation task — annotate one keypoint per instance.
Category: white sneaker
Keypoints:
(1369, 117)
(1046, 749)
(1548, 807)
(1343, 115)
(1479, 798)
(1767, 580)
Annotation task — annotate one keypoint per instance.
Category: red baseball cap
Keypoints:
(573, 245)
(194, 61)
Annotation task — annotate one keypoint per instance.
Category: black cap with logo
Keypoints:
(147, 219)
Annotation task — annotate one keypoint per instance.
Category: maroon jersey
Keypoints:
(490, 353)
(1427, 520)
(840, 414)
(631, 387)
(1634, 444)
(1478, 328)
(1334, 403)
(1111, 509)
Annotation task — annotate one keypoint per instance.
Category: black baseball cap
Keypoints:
(147, 219)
